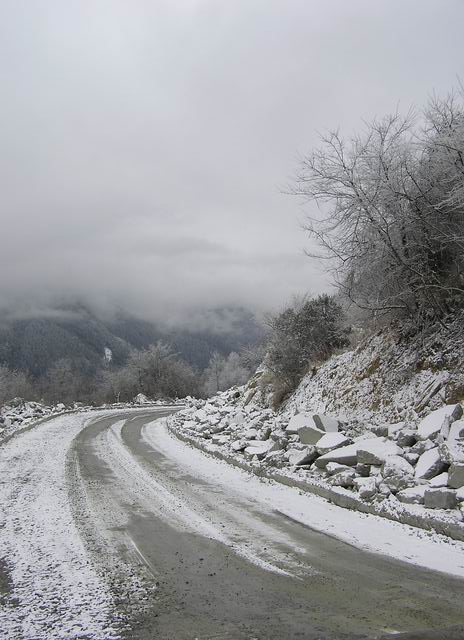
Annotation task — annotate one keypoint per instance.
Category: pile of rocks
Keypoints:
(411, 463)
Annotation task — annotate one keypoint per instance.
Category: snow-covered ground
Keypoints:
(378, 429)
(55, 591)
(368, 532)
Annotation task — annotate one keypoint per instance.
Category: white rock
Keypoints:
(276, 458)
(441, 480)
(344, 455)
(366, 487)
(452, 451)
(460, 494)
(406, 437)
(396, 465)
(299, 420)
(200, 415)
(397, 473)
(326, 423)
(239, 445)
(331, 441)
(260, 448)
(394, 428)
(429, 464)
(431, 425)
(335, 467)
(306, 456)
(376, 450)
(412, 458)
(251, 434)
(412, 495)
(238, 418)
(343, 478)
(456, 430)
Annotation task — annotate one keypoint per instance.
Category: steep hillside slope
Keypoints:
(390, 376)
(378, 428)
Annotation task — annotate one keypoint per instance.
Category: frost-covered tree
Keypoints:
(303, 335)
(390, 216)
(157, 371)
(223, 373)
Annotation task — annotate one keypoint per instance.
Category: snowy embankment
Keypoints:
(366, 532)
(19, 414)
(379, 430)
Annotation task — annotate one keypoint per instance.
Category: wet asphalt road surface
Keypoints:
(125, 494)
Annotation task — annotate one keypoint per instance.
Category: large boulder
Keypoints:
(299, 420)
(343, 478)
(456, 475)
(441, 480)
(367, 487)
(452, 451)
(260, 448)
(429, 465)
(326, 423)
(430, 426)
(412, 495)
(310, 434)
(335, 467)
(397, 473)
(406, 437)
(344, 455)
(239, 445)
(440, 498)
(276, 459)
(331, 441)
(376, 450)
(456, 430)
(305, 456)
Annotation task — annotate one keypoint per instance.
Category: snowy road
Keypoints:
(111, 528)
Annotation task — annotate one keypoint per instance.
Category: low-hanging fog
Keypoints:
(145, 146)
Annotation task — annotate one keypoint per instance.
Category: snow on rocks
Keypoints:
(429, 464)
(331, 441)
(440, 481)
(412, 495)
(343, 455)
(431, 425)
(326, 423)
(260, 448)
(367, 487)
(304, 456)
(397, 473)
(456, 430)
(343, 478)
(395, 467)
(376, 450)
(297, 421)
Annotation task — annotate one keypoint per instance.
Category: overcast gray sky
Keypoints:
(143, 143)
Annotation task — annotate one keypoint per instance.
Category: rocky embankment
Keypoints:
(410, 471)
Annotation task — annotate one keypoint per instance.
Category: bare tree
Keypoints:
(390, 205)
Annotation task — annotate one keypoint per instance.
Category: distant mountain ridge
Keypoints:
(34, 344)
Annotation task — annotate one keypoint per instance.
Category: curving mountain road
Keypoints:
(112, 529)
